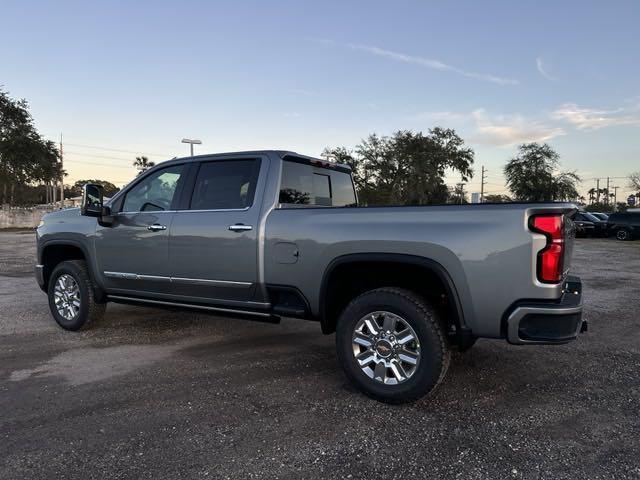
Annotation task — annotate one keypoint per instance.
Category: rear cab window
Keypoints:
(306, 185)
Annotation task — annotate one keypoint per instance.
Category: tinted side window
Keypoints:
(342, 191)
(226, 184)
(155, 192)
(305, 185)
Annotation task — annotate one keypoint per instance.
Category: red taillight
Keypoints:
(550, 258)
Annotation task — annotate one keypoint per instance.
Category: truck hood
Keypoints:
(61, 214)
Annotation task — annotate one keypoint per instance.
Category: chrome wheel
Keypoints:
(386, 348)
(66, 296)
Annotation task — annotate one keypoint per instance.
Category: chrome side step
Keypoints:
(265, 317)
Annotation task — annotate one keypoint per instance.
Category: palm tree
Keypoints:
(592, 195)
(142, 164)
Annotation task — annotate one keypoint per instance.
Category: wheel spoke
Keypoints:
(362, 339)
(408, 357)
(371, 326)
(405, 337)
(398, 371)
(365, 358)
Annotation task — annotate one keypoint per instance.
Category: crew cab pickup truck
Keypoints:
(271, 234)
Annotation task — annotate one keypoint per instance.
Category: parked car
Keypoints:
(601, 216)
(592, 225)
(268, 234)
(583, 227)
(625, 225)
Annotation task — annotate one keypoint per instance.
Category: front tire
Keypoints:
(391, 345)
(71, 296)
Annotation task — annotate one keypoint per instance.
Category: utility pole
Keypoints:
(461, 190)
(597, 190)
(607, 191)
(61, 175)
(482, 185)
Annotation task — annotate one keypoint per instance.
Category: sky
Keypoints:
(119, 79)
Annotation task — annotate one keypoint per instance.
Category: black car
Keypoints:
(601, 216)
(583, 228)
(591, 225)
(625, 226)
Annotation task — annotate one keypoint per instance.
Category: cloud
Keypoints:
(542, 71)
(292, 115)
(429, 63)
(506, 130)
(496, 130)
(592, 119)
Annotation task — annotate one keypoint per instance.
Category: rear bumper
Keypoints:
(548, 323)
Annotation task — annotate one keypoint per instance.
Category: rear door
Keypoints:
(213, 247)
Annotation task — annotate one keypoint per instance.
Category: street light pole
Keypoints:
(191, 143)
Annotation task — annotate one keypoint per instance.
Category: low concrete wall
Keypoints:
(23, 217)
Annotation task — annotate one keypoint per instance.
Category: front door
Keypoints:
(213, 244)
(133, 253)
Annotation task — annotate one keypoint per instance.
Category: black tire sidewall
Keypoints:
(72, 269)
(430, 367)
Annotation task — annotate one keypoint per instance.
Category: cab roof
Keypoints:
(284, 154)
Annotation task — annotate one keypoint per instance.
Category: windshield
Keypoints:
(590, 217)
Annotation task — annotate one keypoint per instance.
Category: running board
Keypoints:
(258, 316)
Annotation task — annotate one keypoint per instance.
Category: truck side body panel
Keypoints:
(487, 250)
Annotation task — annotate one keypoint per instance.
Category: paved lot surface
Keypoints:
(154, 394)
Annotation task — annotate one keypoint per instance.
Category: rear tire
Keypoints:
(71, 296)
(389, 366)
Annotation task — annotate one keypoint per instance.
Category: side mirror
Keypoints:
(91, 200)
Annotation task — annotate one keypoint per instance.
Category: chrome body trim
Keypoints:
(244, 209)
(189, 305)
(215, 283)
(180, 280)
(240, 228)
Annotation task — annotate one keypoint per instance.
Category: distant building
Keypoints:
(475, 197)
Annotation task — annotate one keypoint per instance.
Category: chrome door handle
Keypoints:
(156, 227)
(239, 227)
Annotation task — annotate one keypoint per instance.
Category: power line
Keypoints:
(139, 152)
(94, 155)
(98, 164)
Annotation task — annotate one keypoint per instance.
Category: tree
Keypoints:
(407, 168)
(531, 175)
(634, 182)
(494, 198)
(26, 157)
(109, 188)
(142, 164)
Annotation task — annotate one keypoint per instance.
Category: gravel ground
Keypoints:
(153, 394)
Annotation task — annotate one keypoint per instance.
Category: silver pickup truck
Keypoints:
(270, 234)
